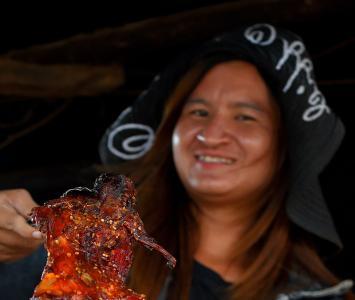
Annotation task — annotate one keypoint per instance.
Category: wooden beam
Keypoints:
(57, 81)
(162, 33)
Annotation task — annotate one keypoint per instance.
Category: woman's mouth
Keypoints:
(215, 159)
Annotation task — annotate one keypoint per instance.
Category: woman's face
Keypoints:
(225, 142)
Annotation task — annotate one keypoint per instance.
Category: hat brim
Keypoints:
(313, 216)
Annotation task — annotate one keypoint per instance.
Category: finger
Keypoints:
(19, 225)
(8, 255)
(12, 221)
(21, 200)
(14, 242)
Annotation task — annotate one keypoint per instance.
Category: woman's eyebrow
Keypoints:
(251, 105)
(196, 101)
(238, 104)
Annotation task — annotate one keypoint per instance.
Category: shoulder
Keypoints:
(308, 289)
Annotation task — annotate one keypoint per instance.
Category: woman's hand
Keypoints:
(17, 238)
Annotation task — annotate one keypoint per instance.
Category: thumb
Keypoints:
(21, 200)
(20, 226)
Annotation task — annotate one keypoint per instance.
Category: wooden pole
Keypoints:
(57, 81)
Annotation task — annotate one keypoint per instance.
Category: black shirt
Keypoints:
(18, 279)
(207, 284)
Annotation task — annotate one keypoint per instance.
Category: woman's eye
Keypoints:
(244, 118)
(199, 112)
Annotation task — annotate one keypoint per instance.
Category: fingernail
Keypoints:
(37, 234)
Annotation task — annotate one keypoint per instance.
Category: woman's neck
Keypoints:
(220, 230)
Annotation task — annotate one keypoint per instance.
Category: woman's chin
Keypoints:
(210, 189)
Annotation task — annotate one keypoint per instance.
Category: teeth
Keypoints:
(214, 159)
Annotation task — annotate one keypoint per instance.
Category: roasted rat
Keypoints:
(89, 238)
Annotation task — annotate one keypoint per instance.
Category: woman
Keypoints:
(229, 181)
(226, 147)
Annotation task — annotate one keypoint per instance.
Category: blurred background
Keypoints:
(65, 75)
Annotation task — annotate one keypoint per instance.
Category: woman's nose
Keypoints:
(213, 133)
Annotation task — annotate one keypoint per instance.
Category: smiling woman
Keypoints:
(217, 157)
(230, 183)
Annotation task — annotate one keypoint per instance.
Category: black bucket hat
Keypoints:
(313, 131)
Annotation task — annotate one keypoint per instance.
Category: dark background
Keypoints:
(59, 154)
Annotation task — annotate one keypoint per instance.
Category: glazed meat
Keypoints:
(89, 238)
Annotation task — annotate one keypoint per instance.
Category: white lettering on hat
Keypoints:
(318, 106)
(260, 34)
(130, 152)
(122, 115)
(296, 49)
(256, 33)
(316, 99)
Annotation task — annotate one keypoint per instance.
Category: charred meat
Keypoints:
(89, 238)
